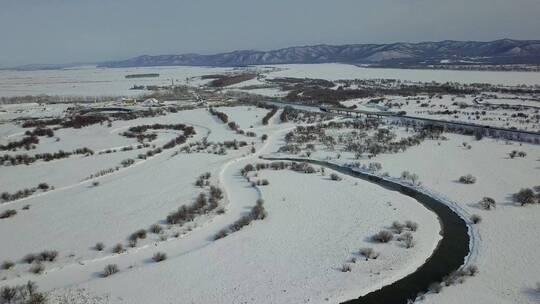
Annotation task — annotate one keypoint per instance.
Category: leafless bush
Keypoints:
(369, 253)
(383, 236)
(221, 234)
(8, 213)
(155, 228)
(159, 256)
(37, 268)
(141, 233)
(110, 270)
(407, 239)
(48, 255)
(487, 203)
(335, 177)
(467, 179)
(29, 258)
(476, 219)
(257, 213)
(346, 268)
(471, 270)
(398, 227)
(23, 294)
(118, 248)
(7, 265)
(412, 226)
(99, 246)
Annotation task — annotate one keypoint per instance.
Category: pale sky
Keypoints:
(61, 31)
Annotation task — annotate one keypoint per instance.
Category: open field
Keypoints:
(178, 198)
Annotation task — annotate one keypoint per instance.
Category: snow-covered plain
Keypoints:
(507, 246)
(314, 225)
(92, 81)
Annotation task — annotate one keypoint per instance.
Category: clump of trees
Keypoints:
(22, 294)
(19, 159)
(6, 196)
(258, 212)
(269, 115)
(202, 205)
(222, 116)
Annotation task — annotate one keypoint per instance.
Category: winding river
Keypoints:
(449, 255)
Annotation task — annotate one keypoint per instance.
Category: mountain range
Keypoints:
(503, 51)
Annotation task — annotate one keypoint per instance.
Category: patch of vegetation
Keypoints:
(257, 213)
(22, 294)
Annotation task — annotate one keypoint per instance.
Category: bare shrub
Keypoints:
(412, 226)
(8, 213)
(346, 268)
(398, 227)
(221, 234)
(22, 294)
(435, 287)
(407, 239)
(525, 196)
(7, 265)
(110, 270)
(467, 179)
(258, 212)
(37, 268)
(476, 219)
(155, 228)
(159, 256)
(141, 233)
(335, 177)
(487, 203)
(118, 248)
(99, 246)
(471, 270)
(29, 258)
(383, 236)
(48, 255)
(369, 253)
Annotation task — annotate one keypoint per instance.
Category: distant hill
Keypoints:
(504, 51)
